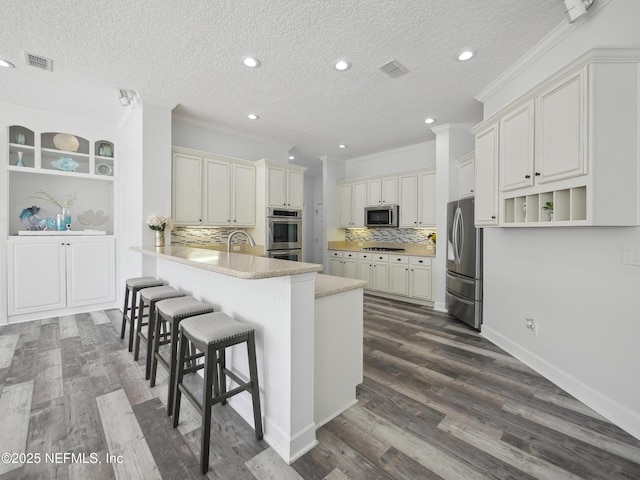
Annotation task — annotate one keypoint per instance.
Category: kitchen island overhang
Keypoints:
(294, 334)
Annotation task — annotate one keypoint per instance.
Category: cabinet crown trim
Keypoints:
(210, 155)
(596, 55)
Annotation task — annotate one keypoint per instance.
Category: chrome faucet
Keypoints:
(252, 242)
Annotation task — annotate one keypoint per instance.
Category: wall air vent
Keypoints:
(38, 61)
(394, 69)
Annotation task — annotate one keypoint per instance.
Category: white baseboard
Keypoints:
(620, 415)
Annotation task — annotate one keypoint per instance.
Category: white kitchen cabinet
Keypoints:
(229, 194)
(335, 263)
(343, 264)
(568, 151)
(57, 272)
(486, 170)
(418, 199)
(211, 190)
(465, 176)
(352, 204)
(186, 176)
(420, 278)
(284, 186)
(382, 191)
(399, 274)
(561, 141)
(516, 148)
(373, 268)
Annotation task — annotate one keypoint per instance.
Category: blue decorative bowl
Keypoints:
(31, 220)
(66, 164)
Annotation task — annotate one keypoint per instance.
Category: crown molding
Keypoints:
(227, 131)
(541, 48)
(407, 148)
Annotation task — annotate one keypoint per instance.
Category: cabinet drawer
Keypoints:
(353, 255)
(335, 254)
(399, 259)
(420, 261)
(380, 257)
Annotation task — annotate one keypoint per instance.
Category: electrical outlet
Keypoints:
(360, 244)
(236, 248)
(630, 255)
(531, 326)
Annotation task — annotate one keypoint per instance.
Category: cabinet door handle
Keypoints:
(537, 174)
(493, 217)
(420, 261)
(527, 176)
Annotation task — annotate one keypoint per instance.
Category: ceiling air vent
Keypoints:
(394, 69)
(38, 61)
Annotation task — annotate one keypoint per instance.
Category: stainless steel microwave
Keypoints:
(382, 216)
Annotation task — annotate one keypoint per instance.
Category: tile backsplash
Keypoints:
(395, 235)
(204, 236)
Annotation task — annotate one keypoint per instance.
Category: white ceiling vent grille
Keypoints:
(38, 61)
(394, 69)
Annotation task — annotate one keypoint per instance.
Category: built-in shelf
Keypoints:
(569, 207)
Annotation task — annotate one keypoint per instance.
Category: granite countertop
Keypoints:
(330, 285)
(411, 249)
(249, 267)
(242, 248)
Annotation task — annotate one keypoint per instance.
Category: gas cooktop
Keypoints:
(383, 249)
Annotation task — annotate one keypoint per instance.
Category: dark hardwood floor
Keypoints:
(438, 401)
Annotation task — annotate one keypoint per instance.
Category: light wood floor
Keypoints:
(438, 401)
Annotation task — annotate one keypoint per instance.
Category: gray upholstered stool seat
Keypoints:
(149, 297)
(172, 311)
(133, 285)
(211, 333)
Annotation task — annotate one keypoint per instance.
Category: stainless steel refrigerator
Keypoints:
(464, 263)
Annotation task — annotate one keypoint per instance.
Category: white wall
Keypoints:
(452, 142)
(332, 172)
(413, 157)
(571, 280)
(208, 139)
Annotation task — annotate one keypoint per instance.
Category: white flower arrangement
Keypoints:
(160, 223)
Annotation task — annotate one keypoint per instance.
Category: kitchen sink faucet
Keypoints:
(252, 242)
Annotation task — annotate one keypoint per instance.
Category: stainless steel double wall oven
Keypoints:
(284, 234)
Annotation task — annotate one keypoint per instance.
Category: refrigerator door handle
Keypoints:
(456, 235)
(460, 235)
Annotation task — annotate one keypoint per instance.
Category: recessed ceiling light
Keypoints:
(253, 116)
(251, 62)
(466, 55)
(342, 65)
(429, 120)
(342, 145)
(291, 157)
(6, 64)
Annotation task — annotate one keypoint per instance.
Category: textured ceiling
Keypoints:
(190, 52)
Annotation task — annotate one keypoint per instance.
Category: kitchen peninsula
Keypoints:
(308, 334)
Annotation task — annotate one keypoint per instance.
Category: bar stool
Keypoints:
(149, 297)
(211, 333)
(133, 285)
(172, 311)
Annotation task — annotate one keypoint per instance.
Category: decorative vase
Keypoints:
(105, 150)
(20, 162)
(159, 238)
(66, 214)
(21, 139)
